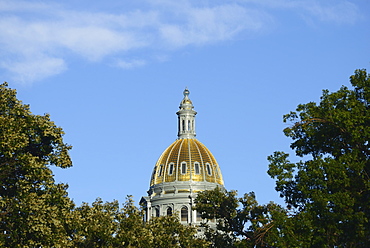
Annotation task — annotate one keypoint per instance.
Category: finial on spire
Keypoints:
(186, 92)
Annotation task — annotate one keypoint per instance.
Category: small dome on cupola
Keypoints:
(186, 100)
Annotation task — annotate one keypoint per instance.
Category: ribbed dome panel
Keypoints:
(186, 160)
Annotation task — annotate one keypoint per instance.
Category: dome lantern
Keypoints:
(186, 117)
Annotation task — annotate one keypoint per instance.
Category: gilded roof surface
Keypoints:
(186, 160)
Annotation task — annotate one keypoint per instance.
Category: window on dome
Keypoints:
(209, 170)
(160, 170)
(196, 168)
(183, 168)
(183, 125)
(184, 213)
(189, 125)
(170, 169)
(169, 211)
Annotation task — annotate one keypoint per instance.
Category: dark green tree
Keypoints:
(96, 225)
(329, 189)
(106, 225)
(132, 231)
(167, 231)
(242, 222)
(33, 208)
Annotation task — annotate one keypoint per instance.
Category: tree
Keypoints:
(132, 230)
(33, 209)
(106, 225)
(242, 222)
(96, 225)
(167, 231)
(327, 193)
(330, 189)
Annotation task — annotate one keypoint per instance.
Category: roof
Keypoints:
(186, 160)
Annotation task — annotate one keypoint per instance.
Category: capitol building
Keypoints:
(185, 168)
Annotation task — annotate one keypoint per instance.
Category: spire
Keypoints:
(186, 117)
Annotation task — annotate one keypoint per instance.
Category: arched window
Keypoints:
(160, 170)
(189, 126)
(209, 170)
(169, 211)
(170, 169)
(183, 168)
(184, 213)
(196, 168)
(156, 212)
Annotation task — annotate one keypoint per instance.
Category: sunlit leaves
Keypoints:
(241, 222)
(108, 225)
(33, 208)
(327, 192)
(330, 187)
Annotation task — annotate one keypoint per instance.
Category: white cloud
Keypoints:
(212, 24)
(38, 68)
(23, 6)
(96, 42)
(129, 64)
(339, 12)
(37, 38)
(336, 11)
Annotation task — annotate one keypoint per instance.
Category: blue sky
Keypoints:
(112, 73)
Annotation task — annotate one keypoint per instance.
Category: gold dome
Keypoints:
(186, 160)
(187, 101)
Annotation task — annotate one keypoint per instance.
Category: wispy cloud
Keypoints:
(213, 24)
(129, 64)
(32, 69)
(336, 11)
(36, 39)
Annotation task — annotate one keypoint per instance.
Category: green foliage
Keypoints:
(327, 193)
(241, 222)
(132, 231)
(330, 189)
(106, 225)
(167, 231)
(94, 226)
(32, 206)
